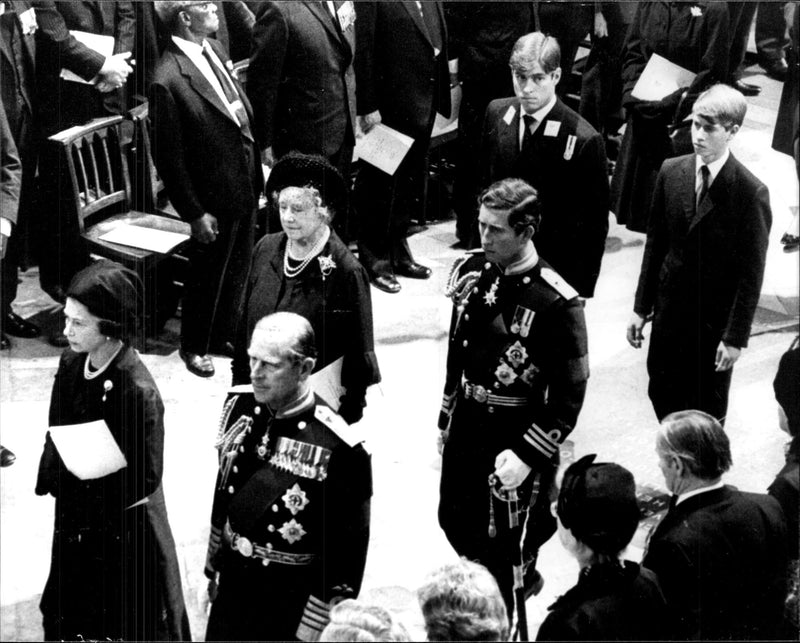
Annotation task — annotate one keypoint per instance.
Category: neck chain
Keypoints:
(315, 250)
(89, 374)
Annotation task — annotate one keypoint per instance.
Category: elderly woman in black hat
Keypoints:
(614, 599)
(306, 269)
(114, 571)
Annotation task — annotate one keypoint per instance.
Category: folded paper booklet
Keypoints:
(88, 450)
(383, 147)
(660, 78)
(162, 241)
(101, 44)
(327, 383)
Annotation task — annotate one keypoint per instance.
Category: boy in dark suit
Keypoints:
(703, 263)
(720, 554)
(535, 137)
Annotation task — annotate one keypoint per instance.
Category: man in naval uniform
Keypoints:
(516, 378)
(290, 517)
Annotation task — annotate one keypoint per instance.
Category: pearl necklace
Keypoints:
(315, 250)
(89, 374)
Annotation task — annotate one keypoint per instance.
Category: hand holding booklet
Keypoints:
(661, 78)
(88, 450)
(101, 44)
(383, 147)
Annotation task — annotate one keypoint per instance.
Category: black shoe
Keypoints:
(7, 457)
(14, 325)
(200, 365)
(748, 89)
(5, 342)
(777, 69)
(412, 269)
(386, 282)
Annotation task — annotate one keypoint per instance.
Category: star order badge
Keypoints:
(292, 531)
(490, 296)
(517, 354)
(295, 499)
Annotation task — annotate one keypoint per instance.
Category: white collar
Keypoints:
(714, 167)
(696, 492)
(541, 113)
(299, 405)
(189, 47)
(528, 261)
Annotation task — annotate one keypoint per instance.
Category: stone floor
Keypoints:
(617, 421)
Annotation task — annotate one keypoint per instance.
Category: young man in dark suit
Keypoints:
(720, 554)
(535, 137)
(703, 263)
(206, 154)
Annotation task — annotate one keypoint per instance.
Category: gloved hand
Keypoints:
(352, 406)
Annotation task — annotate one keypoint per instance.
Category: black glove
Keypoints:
(352, 406)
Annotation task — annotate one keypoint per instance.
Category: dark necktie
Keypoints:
(705, 175)
(230, 91)
(530, 128)
(431, 21)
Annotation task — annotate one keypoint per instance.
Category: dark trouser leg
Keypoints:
(771, 40)
(741, 19)
(373, 196)
(467, 182)
(342, 161)
(215, 284)
(408, 201)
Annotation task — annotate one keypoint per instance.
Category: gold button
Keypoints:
(491, 409)
(268, 546)
(465, 343)
(271, 528)
(275, 508)
(264, 562)
(231, 489)
(466, 317)
(301, 425)
(235, 469)
(257, 410)
(526, 280)
(487, 265)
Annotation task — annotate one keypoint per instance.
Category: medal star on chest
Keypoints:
(295, 499)
(490, 296)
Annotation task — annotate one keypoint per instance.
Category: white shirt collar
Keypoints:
(696, 492)
(540, 114)
(528, 261)
(713, 168)
(188, 47)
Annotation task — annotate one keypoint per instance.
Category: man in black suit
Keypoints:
(720, 554)
(703, 263)
(403, 80)
(29, 28)
(206, 154)
(302, 84)
(535, 137)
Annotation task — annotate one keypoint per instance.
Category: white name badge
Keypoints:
(509, 115)
(551, 128)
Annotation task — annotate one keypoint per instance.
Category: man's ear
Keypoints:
(557, 75)
(307, 367)
(677, 464)
(528, 232)
(732, 131)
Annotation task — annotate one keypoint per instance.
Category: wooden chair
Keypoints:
(96, 186)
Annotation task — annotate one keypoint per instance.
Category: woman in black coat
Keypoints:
(614, 599)
(114, 571)
(693, 36)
